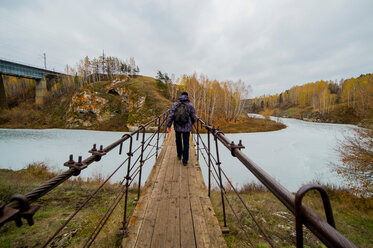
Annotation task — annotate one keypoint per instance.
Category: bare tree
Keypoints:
(357, 161)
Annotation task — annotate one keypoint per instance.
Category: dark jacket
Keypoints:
(187, 127)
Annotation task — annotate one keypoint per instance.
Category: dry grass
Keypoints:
(353, 217)
(57, 206)
(248, 125)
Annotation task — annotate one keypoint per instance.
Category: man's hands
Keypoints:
(169, 129)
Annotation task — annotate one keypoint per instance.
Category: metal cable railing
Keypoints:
(248, 241)
(19, 206)
(217, 175)
(325, 231)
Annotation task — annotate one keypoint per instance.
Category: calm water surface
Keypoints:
(20, 147)
(296, 155)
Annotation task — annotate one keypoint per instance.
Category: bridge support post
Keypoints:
(3, 102)
(40, 90)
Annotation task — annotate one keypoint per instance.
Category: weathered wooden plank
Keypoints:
(200, 227)
(215, 233)
(173, 229)
(174, 210)
(138, 216)
(147, 229)
(160, 228)
(206, 223)
(187, 238)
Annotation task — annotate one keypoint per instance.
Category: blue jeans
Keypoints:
(182, 145)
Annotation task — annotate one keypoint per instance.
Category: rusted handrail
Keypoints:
(324, 231)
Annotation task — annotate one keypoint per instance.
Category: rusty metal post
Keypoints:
(209, 161)
(158, 130)
(299, 214)
(165, 127)
(218, 163)
(141, 161)
(197, 140)
(128, 178)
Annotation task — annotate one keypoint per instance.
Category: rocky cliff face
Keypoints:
(90, 107)
(86, 108)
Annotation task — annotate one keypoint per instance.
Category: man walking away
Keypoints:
(183, 115)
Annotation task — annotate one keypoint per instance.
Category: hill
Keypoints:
(113, 105)
(347, 101)
(103, 105)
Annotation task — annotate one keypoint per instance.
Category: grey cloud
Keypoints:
(271, 45)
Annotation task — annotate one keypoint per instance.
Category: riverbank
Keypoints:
(250, 125)
(340, 115)
(57, 206)
(354, 214)
(29, 116)
(118, 105)
(353, 217)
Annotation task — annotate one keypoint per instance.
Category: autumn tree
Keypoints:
(357, 161)
(215, 100)
(354, 95)
(92, 70)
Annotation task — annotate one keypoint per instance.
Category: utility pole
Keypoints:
(45, 61)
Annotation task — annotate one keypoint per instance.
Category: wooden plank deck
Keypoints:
(174, 209)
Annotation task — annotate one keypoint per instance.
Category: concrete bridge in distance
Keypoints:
(41, 77)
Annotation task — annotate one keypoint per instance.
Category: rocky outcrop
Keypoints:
(89, 107)
(86, 109)
(116, 88)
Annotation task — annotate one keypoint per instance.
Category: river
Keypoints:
(298, 154)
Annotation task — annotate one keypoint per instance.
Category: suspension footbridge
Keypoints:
(173, 207)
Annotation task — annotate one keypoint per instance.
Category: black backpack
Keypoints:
(181, 113)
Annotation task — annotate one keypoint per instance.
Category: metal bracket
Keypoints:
(97, 153)
(121, 144)
(233, 146)
(25, 211)
(138, 131)
(216, 132)
(78, 166)
(128, 178)
(299, 214)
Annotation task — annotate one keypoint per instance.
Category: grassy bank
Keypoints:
(353, 217)
(57, 206)
(248, 125)
(340, 113)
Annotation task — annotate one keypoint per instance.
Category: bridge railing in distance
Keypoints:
(325, 231)
(9, 67)
(20, 206)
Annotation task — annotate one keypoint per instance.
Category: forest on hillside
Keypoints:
(215, 101)
(218, 103)
(348, 101)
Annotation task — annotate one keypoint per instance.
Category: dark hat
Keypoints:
(184, 93)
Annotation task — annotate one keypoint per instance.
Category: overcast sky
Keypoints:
(270, 44)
